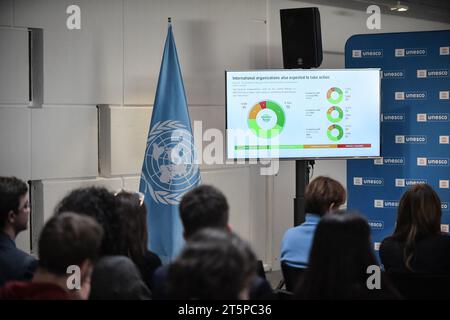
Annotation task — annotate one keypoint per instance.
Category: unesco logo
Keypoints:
(432, 117)
(444, 51)
(443, 184)
(393, 117)
(434, 73)
(364, 181)
(409, 52)
(376, 224)
(433, 162)
(443, 139)
(393, 74)
(385, 203)
(356, 53)
(443, 95)
(401, 183)
(410, 139)
(398, 161)
(410, 95)
(368, 53)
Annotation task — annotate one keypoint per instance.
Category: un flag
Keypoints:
(169, 169)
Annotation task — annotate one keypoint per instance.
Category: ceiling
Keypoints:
(433, 10)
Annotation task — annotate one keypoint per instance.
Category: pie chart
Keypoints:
(335, 114)
(335, 95)
(266, 119)
(335, 132)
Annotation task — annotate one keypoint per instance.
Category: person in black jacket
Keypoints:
(14, 214)
(417, 244)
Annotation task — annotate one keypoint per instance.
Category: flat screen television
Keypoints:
(303, 114)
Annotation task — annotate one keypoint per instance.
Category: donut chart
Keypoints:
(335, 132)
(266, 119)
(335, 95)
(335, 114)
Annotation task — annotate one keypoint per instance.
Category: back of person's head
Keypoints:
(339, 257)
(215, 264)
(324, 194)
(117, 278)
(132, 212)
(419, 215)
(68, 239)
(11, 191)
(203, 207)
(100, 204)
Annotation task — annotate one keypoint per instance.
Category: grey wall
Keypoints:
(114, 61)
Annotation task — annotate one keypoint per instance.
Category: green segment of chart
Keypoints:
(335, 114)
(335, 132)
(266, 119)
(335, 95)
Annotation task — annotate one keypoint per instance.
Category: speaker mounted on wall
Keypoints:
(301, 38)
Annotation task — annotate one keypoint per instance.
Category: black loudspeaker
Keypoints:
(301, 38)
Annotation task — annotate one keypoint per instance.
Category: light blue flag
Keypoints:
(169, 169)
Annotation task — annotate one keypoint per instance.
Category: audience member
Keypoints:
(100, 204)
(322, 195)
(14, 214)
(203, 207)
(417, 244)
(67, 241)
(340, 255)
(117, 278)
(206, 207)
(134, 235)
(214, 265)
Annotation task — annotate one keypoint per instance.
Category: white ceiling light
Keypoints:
(399, 7)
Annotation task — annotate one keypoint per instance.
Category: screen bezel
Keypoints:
(303, 158)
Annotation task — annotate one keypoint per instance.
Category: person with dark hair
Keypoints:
(100, 204)
(108, 211)
(207, 207)
(14, 214)
(134, 235)
(340, 256)
(417, 244)
(117, 278)
(322, 195)
(68, 246)
(202, 207)
(214, 265)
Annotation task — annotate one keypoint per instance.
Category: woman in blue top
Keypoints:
(322, 195)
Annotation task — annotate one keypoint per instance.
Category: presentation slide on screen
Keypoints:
(303, 113)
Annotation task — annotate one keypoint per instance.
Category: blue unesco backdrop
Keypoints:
(415, 124)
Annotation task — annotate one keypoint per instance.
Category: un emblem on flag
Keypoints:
(170, 168)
